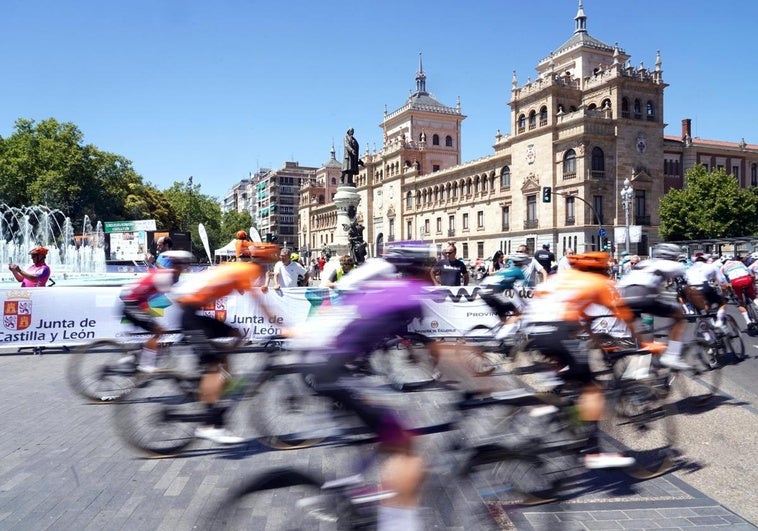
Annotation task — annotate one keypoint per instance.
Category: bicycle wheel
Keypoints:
(288, 415)
(639, 421)
(733, 339)
(481, 350)
(702, 382)
(158, 416)
(103, 371)
(283, 499)
(407, 362)
(752, 312)
(501, 476)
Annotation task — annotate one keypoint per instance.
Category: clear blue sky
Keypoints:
(216, 89)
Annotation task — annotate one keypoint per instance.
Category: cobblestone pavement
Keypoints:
(63, 467)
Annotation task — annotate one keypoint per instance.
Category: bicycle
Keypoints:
(160, 414)
(106, 369)
(527, 463)
(749, 304)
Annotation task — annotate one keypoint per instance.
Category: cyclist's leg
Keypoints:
(135, 315)
(200, 328)
(739, 287)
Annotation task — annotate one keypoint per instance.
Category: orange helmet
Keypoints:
(592, 261)
(265, 252)
(241, 235)
(39, 250)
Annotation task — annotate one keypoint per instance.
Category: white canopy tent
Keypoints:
(226, 252)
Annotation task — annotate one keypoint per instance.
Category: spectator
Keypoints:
(563, 263)
(286, 273)
(315, 269)
(498, 262)
(345, 266)
(450, 271)
(545, 257)
(164, 244)
(37, 274)
(532, 269)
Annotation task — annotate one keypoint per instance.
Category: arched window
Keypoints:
(598, 162)
(650, 111)
(409, 200)
(569, 164)
(448, 141)
(484, 184)
(591, 107)
(521, 123)
(543, 115)
(468, 187)
(606, 104)
(532, 119)
(637, 110)
(435, 139)
(624, 108)
(505, 177)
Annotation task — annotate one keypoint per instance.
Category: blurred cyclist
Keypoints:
(383, 296)
(137, 295)
(556, 315)
(207, 287)
(642, 287)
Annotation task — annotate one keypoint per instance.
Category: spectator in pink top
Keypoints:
(37, 274)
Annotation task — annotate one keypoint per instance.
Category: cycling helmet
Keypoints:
(241, 235)
(265, 252)
(175, 258)
(592, 261)
(754, 256)
(39, 250)
(294, 257)
(667, 251)
(520, 259)
(409, 253)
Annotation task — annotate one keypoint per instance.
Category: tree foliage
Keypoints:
(192, 208)
(47, 163)
(711, 205)
(234, 221)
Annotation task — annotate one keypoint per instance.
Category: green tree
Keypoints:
(192, 208)
(711, 205)
(234, 221)
(47, 163)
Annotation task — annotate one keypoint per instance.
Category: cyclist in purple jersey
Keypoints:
(382, 297)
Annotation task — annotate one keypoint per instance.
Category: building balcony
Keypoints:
(450, 233)
(570, 220)
(642, 220)
(531, 223)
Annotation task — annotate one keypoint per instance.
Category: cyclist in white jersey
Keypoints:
(709, 279)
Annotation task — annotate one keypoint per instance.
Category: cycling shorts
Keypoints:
(712, 295)
(557, 340)
(641, 299)
(742, 285)
(502, 305)
(139, 317)
(200, 328)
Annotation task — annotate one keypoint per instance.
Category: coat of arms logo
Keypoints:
(17, 311)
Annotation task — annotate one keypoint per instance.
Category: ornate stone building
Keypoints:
(587, 122)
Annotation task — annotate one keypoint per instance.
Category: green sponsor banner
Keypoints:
(129, 226)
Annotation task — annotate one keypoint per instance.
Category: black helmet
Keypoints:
(667, 251)
(409, 253)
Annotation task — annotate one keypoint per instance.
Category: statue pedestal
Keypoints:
(345, 198)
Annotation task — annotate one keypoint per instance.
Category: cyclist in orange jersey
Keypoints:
(554, 318)
(208, 287)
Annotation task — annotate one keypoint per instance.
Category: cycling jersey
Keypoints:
(154, 282)
(652, 274)
(735, 269)
(220, 281)
(703, 273)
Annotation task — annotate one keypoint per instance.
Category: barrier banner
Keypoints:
(69, 316)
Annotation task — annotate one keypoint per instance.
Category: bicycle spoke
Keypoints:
(639, 422)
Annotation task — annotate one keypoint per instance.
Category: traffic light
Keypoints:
(547, 194)
(606, 245)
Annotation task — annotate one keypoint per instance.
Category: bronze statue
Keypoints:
(351, 161)
(355, 241)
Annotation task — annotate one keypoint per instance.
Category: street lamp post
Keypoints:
(626, 201)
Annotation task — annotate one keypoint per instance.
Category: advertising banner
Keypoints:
(67, 316)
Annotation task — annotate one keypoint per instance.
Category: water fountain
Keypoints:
(26, 227)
